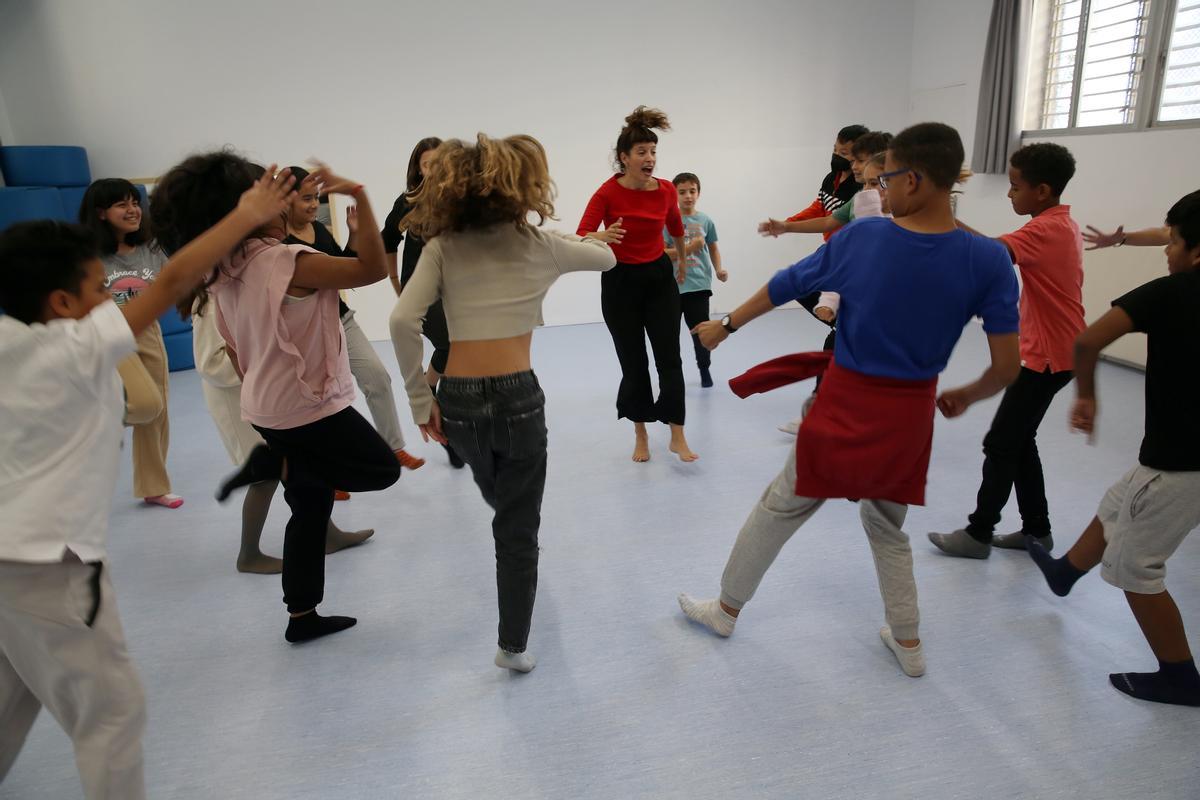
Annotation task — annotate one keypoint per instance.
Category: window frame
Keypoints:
(1151, 81)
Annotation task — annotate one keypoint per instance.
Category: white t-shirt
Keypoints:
(61, 410)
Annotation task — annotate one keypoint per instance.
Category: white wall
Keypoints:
(755, 90)
(1121, 178)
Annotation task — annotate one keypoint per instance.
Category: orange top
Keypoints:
(1049, 252)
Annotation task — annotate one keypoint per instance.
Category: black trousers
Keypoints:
(498, 426)
(695, 311)
(640, 301)
(1011, 456)
(438, 334)
(341, 450)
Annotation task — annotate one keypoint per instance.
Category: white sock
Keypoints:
(521, 662)
(911, 659)
(708, 613)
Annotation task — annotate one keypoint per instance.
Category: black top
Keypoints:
(392, 237)
(1166, 310)
(323, 240)
(831, 196)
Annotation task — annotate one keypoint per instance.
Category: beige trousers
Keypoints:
(145, 377)
(50, 656)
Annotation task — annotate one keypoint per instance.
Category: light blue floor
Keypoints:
(629, 700)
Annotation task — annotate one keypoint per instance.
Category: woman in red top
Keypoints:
(640, 296)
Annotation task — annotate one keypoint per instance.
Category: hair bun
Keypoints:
(649, 118)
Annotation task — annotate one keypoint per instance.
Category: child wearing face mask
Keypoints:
(112, 210)
(369, 373)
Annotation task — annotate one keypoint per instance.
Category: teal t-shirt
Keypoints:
(699, 267)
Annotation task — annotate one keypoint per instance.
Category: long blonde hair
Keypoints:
(496, 180)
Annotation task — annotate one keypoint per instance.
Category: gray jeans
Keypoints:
(371, 376)
(780, 513)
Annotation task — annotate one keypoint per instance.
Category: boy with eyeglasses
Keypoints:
(869, 434)
(1048, 250)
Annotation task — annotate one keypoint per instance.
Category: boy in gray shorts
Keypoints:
(1147, 513)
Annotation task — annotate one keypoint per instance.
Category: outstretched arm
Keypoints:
(1099, 335)
(1006, 365)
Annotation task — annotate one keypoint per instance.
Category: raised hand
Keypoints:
(613, 234)
(269, 197)
(352, 219)
(1098, 239)
(772, 227)
(331, 181)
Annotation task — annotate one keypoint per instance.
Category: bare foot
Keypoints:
(259, 564)
(340, 540)
(641, 449)
(679, 445)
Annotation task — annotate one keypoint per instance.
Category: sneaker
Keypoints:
(911, 659)
(1017, 540)
(961, 544)
(792, 427)
(338, 494)
(408, 460)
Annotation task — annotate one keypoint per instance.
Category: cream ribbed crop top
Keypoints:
(491, 282)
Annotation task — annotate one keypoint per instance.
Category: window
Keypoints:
(1113, 64)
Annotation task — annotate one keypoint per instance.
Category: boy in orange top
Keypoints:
(1048, 250)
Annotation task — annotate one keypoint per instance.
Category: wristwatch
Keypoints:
(727, 324)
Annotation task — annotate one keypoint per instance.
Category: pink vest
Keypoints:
(292, 354)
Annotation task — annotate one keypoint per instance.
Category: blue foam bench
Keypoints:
(44, 165)
(23, 203)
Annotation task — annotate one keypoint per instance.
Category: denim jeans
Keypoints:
(498, 426)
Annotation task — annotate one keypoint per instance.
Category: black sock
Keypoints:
(455, 460)
(262, 465)
(1175, 683)
(1060, 573)
(705, 377)
(313, 626)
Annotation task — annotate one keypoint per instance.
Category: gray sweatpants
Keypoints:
(50, 656)
(780, 513)
(372, 377)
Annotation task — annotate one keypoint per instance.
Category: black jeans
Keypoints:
(498, 426)
(640, 301)
(695, 311)
(1011, 456)
(341, 450)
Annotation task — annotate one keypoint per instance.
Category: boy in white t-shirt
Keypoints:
(61, 409)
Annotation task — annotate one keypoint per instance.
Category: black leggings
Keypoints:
(341, 450)
(640, 301)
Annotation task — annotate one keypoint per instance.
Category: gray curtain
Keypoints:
(997, 125)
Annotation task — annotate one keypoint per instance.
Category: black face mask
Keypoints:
(839, 163)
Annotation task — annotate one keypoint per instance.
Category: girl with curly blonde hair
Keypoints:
(491, 268)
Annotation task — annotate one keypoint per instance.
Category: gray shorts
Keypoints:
(1146, 515)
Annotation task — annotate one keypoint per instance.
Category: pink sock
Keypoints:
(168, 500)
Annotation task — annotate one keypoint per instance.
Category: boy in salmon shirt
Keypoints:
(1048, 250)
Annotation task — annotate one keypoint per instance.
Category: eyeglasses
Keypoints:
(883, 179)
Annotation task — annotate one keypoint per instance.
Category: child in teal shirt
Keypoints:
(703, 259)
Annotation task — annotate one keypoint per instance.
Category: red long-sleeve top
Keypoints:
(643, 215)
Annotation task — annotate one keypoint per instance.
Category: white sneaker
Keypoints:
(792, 427)
(911, 659)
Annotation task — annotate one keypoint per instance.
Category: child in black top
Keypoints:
(1147, 514)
